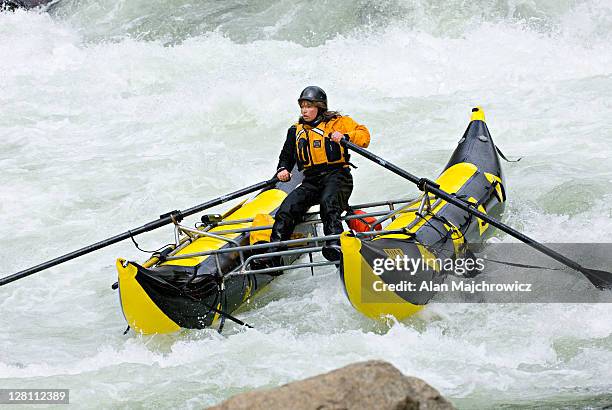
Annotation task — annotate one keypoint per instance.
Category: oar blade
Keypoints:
(601, 279)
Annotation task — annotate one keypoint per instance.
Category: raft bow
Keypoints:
(434, 230)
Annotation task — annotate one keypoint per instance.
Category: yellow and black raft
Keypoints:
(205, 276)
(189, 284)
(434, 232)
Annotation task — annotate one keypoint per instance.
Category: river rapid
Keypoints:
(113, 112)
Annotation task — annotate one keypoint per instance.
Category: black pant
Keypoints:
(331, 190)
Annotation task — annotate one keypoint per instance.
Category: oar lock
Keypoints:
(211, 219)
(426, 182)
(175, 215)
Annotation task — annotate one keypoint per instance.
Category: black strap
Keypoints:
(501, 154)
(518, 265)
(167, 247)
(347, 154)
(452, 226)
(223, 302)
(428, 222)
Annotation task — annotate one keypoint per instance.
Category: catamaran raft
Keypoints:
(209, 271)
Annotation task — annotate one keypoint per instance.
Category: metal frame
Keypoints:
(244, 267)
(311, 244)
(286, 243)
(389, 203)
(242, 270)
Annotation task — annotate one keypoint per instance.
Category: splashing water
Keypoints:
(114, 112)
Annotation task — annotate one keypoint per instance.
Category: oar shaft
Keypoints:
(505, 228)
(229, 197)
(385, 164)
(465, 206)
(64, 258)
(162, 221)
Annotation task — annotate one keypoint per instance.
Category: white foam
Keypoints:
(100, 133)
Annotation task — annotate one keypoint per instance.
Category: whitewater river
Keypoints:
(115, 111)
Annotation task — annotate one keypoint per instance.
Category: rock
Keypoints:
(26, 4)
(366, 385)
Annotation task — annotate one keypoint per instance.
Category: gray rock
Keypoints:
(366, 385)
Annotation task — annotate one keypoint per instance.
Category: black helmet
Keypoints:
(314, 94)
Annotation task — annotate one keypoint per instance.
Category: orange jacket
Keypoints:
(311, 147)
(358, 134)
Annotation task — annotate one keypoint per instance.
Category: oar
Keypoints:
(599, 278)
(163, 220)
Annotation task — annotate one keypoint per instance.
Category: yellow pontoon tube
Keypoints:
(435, 232)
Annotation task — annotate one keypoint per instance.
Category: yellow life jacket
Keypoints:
(314, 147)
